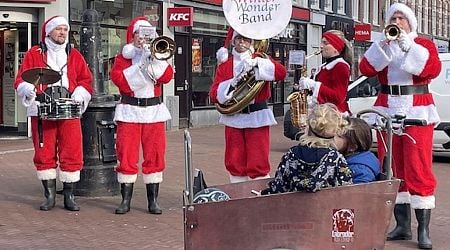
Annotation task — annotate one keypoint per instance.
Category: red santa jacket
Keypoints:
(77, 77)
(334, 77)
(78, 72)
(395, 67)
(268, 69)
(132, 81)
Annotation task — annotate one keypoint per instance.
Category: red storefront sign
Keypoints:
(362, 32)
(180, 16)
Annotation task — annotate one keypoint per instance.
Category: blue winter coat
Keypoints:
(364, 165)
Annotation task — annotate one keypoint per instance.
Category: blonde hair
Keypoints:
(347, 52)
(325, 121)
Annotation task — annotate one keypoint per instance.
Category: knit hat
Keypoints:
(409, 14)
(52, 23)
(222, 53)
(134, 26)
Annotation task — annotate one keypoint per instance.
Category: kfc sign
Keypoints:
(180, 16)
(362, 32)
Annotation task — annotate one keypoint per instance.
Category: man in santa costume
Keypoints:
(140, 115)
(62, 139)
(405, 67)
(247, 135)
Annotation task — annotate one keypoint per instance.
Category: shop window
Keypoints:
(204, 64)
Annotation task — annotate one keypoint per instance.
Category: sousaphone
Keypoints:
(258, 20)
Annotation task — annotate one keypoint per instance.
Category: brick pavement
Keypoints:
(24, 226)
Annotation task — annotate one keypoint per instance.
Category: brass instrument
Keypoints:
(162, 47)
(392, 32)
(298, 101)
(247, 87)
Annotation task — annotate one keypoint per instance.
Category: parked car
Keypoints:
(363, 91)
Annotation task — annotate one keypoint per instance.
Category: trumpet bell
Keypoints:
(162, 48)
(392, 32)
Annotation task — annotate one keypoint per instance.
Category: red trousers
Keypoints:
(130, 136)
(247, 151)
(63, 143)
(413, 162)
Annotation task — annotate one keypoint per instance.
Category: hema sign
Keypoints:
(180, 16)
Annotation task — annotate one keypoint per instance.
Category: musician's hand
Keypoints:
(77, 99)
(307, 83)
(27, 90)
(250, 63)
(404, 41)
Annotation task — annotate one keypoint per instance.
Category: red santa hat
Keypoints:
(134, 26)
(222, 53)
(52, 23)
(409, 14)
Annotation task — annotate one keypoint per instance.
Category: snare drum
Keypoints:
(60, 109)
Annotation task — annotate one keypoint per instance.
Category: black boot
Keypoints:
(402, 231)
(49, 193)
(423, 232)
(152, 196)
(69, 197)
(126, 189)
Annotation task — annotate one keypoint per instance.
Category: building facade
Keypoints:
(196, 45)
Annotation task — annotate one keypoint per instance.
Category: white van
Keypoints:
(363, 91)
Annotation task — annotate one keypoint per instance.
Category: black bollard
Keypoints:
(98, 177)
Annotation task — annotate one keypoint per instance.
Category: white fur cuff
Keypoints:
(376, 56)
(48, 174)
(153, 178)
(403, 198)
(237, 179)
(423, 202)
(69, 177)
(222, 55)
(126, 178)
(415, 59)
(265, 70)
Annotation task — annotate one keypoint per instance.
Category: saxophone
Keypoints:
(298, 101)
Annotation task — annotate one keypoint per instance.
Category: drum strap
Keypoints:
(141, 102)
(254, 107)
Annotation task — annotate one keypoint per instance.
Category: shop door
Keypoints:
(183, 78)
(14, 24)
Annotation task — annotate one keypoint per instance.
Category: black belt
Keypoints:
(254, 107)
(404, 89)
(141, 102)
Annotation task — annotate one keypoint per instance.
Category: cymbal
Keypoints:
(41, 75)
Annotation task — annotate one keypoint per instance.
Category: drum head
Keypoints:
(258, 19)
(210, 195)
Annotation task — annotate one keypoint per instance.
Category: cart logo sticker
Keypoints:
(343, 225)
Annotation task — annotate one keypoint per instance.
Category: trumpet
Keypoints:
(392, 32)
(161, 48)
(298, 101)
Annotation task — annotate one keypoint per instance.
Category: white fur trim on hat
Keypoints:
(234, 36)
(406, 11)
(140, 23)
(55, 22)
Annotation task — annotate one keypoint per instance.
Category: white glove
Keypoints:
(404, 41)
(307, 83)
(250, 63)
(77, 99)
(27, 90)
(146, 57)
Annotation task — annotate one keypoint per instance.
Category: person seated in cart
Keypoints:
(315, 163)
(355, 145)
